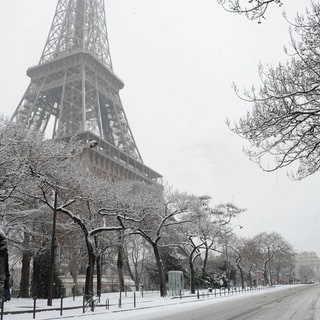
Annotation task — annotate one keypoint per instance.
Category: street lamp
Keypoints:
(54, 249)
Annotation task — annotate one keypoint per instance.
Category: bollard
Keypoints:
(120, 300)
(34, 307)
(198, 294)
(61, 304)
(134, 299)
(107, 304)
(84, 304)
(92, 303)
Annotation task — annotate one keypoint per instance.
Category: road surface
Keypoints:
(292, 303)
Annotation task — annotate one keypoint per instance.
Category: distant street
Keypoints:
(295, 303)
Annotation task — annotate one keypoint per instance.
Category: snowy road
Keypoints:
(296, 303)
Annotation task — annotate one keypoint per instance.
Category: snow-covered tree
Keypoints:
(136, 253)
(278, 255)
(283, 126)
(129, 203)
(197, 235)
(160, 214)
(222, 231)
(44, 178)
(252, 9)
(251, 258)
(91, 230)
(19, 214)
(205, 231)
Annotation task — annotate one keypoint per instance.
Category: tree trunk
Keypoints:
(73, 268)
(137, 278)
(25, 274)
(134, 276)
(241, 276)
(269, 263)
(204, 265)
(250, 277)
(4, 269)
(162, 281)
(99, 275)
(278, 273)
(192, 258)
(265, 277)
(265, 272)
(88, 290)
(192, 276)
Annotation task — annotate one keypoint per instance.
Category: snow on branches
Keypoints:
(253, 9)
(284, 125)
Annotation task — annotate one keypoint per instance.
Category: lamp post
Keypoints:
(54, 246)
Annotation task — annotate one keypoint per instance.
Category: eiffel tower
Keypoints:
(74, 92)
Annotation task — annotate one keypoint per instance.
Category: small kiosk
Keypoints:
(176, 283)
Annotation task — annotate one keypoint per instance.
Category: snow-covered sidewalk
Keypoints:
(22, 309)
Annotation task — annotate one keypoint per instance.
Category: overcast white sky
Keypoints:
(178, 59)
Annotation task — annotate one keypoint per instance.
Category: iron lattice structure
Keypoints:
(74, 91)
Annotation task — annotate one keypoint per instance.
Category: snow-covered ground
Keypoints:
(145, 306)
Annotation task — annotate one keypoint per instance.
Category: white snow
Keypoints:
(149, 304)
